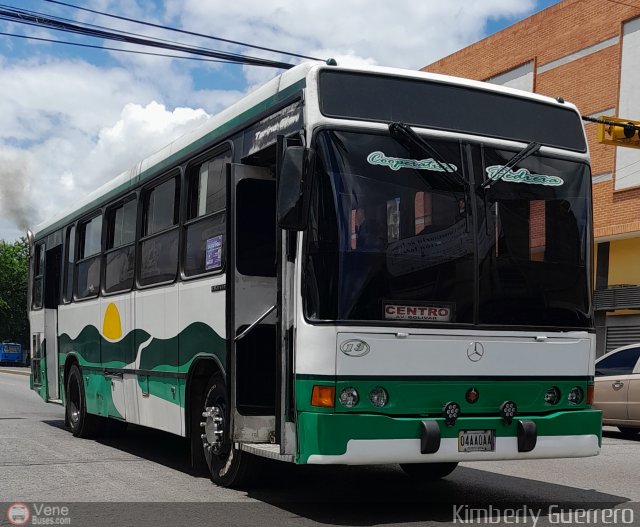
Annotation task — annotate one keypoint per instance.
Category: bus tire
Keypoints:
(428, 471)
(228, 466)
(82, 423)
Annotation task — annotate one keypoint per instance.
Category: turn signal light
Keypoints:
(590, 392)
(324, 396)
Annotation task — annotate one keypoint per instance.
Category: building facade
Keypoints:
(587, 52)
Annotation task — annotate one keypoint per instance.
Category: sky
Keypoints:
(72, 118)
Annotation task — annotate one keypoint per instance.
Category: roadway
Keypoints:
(40, 462)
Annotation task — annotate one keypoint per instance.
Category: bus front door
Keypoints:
(251, 303)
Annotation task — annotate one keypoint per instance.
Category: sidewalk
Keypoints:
(16, 370)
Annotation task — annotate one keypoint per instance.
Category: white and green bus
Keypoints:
(348, 266)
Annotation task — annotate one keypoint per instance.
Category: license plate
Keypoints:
(476, 440)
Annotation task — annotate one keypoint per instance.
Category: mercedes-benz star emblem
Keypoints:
(475, 351)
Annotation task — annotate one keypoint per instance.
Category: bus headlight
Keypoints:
(378, 397)
(576, 395)
(349, 397)
(552, 395)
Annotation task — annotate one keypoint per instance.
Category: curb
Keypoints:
(15, 372)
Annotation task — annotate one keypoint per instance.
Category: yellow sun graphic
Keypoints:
(111, 326)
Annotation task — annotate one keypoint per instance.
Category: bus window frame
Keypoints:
(120, 202)
(219, 150)
(39, 263)
(176, 173)
(66, 264)
(82, 221)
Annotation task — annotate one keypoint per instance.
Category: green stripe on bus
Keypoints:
(427, 395)
(328, 434)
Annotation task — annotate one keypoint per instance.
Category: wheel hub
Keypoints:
(213, 425)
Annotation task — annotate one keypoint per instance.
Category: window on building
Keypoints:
(160, 233)
(205, 222)
(88, 262)
(120, 248)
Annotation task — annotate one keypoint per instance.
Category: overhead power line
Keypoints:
(45, 21)
(183, 31)
(105, 48)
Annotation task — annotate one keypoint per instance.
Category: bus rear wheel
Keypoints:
(228, 466)
(82, 423)
(428, 471)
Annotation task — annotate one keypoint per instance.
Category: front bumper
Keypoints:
(363, 439)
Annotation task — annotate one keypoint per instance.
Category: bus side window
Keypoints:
(160, 233)
(205, 220)
(120, 247)
(88, 264)
(70, 251)
(38, 274)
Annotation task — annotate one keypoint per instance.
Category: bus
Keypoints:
(11, 353)
(347, 266)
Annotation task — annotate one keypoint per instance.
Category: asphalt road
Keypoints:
(142, 477)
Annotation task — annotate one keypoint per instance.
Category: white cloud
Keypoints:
(139, 132)
(69, 125)
(402, 33)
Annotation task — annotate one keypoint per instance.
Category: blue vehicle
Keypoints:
(11, 353)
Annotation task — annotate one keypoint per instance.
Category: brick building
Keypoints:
(588, 52)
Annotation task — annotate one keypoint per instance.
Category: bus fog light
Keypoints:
(451, 412)
(349, 397)
(576, 395)
(378, 397)
(552, 395)
(508, 410)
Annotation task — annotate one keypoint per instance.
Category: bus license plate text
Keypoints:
(476, 440)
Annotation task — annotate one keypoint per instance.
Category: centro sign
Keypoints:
(429, 313)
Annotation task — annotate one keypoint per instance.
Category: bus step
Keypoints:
(265, 450)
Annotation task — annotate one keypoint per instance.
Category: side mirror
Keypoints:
(293, 189)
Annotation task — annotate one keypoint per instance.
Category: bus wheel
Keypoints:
(82, 423)
(228, 466)
(428, 471)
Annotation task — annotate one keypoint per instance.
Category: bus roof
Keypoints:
(218, 125)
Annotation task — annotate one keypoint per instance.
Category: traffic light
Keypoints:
(619, 132)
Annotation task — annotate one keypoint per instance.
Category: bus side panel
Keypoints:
(118, 352)
(79, 327)
(38, 362)
(158, 393)
(202, 326)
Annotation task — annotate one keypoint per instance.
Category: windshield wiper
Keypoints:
(450, 179)
(527, 151)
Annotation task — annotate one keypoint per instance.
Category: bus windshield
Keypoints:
(387, 241)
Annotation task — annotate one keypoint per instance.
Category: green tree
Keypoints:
(14, 275)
